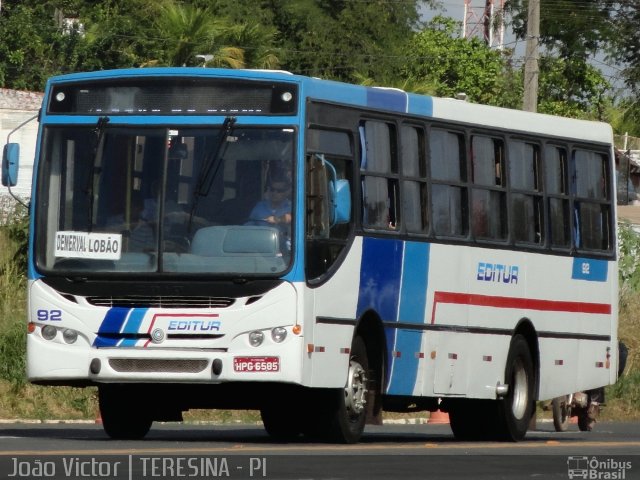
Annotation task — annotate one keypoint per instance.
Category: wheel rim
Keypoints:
(520, 389)
(355, 392)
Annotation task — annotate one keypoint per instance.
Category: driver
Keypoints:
(275, 209)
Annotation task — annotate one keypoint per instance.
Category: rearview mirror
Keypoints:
(10, 163)
(341, 201)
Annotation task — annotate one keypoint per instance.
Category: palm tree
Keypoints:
(413, 85)
(257, 42)
(187, 31)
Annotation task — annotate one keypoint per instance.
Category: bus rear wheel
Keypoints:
(515, 410)
(123, 413)
(561, 408)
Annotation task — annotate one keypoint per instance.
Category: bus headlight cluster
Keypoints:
(256, 338)
(49, 332)
(278, 335)
(69, 336)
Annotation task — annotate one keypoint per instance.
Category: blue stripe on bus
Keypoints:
(112, 323)
(413, 298)
(380, 272)
(380, 277)
(387, 99)
(132, 325)
(590, 269)
(134, 320)
(420, 105)
(380, 281)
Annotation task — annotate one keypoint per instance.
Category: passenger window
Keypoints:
(488, 196)
(526, 199)
(414, 185)
(379, 166)
(556, 181)
(592, 210)
(448, 183)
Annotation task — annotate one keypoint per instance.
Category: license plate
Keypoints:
(256, 364)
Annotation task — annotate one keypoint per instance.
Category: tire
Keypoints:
(585, 424)
(280, 423)
(124, 416)
(515, 410)
(561, 413)
(340, 415)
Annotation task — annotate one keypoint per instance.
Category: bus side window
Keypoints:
(557, 191)
(447, 162)
(526, 194)
(488, 197)
(379, 166)
(592, 208)
(414, 184)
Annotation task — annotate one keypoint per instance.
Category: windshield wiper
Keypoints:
(210, 166)
(96, 164)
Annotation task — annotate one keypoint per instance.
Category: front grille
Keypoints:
(144, 365)
(141, 301)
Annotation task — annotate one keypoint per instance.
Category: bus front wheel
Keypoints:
(124, 416)
(340, 415)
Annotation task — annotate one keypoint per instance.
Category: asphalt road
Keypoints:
(171, 451)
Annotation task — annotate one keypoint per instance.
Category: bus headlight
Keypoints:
(69, 336)
(256, 338)
(278, 334)
(49, 332)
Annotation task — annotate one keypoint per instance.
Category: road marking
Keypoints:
(324, 448)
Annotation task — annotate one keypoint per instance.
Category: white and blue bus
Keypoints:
(318, 251)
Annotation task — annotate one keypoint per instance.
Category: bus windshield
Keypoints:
(165, 199)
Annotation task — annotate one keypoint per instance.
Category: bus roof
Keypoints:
(387, 99)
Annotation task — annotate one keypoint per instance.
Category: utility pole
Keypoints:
(530, 103)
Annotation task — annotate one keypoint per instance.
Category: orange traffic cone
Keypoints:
(438, 417)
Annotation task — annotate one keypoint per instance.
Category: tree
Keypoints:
(119, 34)
(568, 28)
(573, 33)
(33, 46)
(258, 44)
(457, 65)
(185, 31)
(588, 99)
(625, 45)
(337, 38)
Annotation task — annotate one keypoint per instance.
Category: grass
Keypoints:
(19, 399)
(623, 398)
